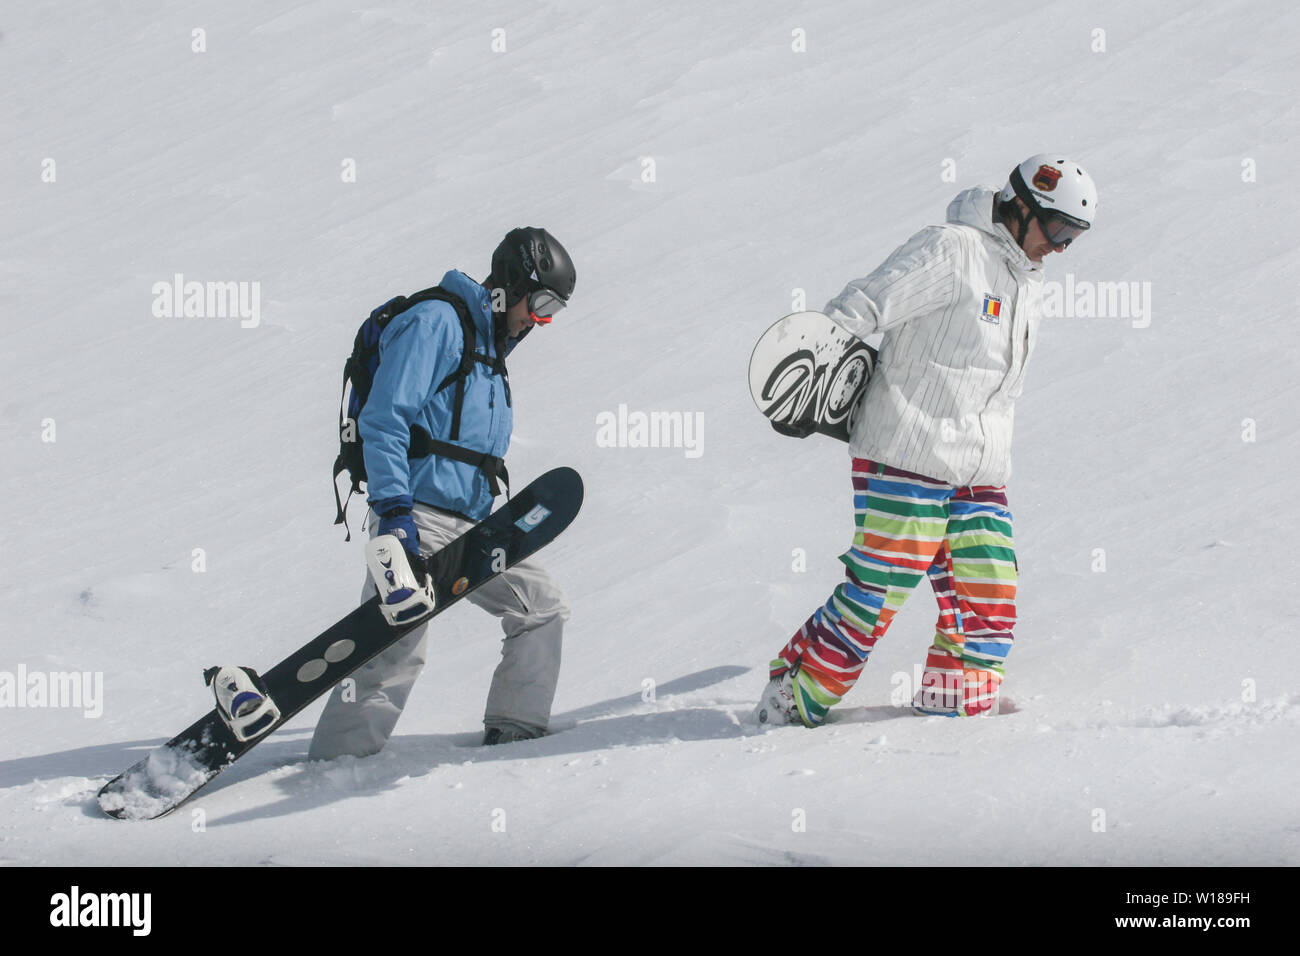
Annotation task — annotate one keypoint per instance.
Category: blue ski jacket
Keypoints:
(417, 351)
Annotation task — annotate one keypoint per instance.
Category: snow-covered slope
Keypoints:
(167, 477)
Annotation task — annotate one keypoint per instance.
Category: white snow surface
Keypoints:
(167, 478)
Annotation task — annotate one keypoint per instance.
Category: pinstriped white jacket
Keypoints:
(959, 306)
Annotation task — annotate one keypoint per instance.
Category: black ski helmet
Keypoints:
(529, 258)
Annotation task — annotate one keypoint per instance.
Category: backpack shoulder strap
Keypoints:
(424, 444)
(469, 355)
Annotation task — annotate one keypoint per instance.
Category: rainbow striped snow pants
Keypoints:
(908, 526)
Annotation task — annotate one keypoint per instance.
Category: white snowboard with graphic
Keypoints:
(807, 375)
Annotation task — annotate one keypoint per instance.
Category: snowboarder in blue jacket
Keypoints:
(428, 500)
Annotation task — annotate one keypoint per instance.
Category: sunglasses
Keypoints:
(543, 304)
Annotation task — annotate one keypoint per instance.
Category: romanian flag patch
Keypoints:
(992, 308)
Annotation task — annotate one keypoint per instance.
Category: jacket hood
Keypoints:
(974, 207)
(476, 297)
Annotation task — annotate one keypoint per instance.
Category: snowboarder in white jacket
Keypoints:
(958, 307)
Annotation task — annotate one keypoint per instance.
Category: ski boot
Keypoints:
(777, 705)
(508, 732)
(242, 701)
(403, 597)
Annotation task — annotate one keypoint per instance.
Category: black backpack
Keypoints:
(359, 371)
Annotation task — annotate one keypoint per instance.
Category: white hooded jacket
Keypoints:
(959, 306)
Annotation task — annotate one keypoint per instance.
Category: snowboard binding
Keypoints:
(242, 701)
(405, 595)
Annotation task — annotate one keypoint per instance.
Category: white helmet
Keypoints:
(1059, 194)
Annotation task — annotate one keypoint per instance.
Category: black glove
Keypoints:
(796, 429)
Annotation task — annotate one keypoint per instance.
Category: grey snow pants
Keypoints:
(358, 720)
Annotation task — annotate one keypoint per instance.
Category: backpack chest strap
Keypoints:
(493, 467)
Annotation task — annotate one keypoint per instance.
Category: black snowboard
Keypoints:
(178, 769)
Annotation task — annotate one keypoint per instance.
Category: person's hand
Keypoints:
(401, 525)
(395, 519)
(796, 429)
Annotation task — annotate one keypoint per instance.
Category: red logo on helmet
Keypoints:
(1046, 178)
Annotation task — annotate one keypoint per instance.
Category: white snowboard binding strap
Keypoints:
(403, 598)
(242, 701)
